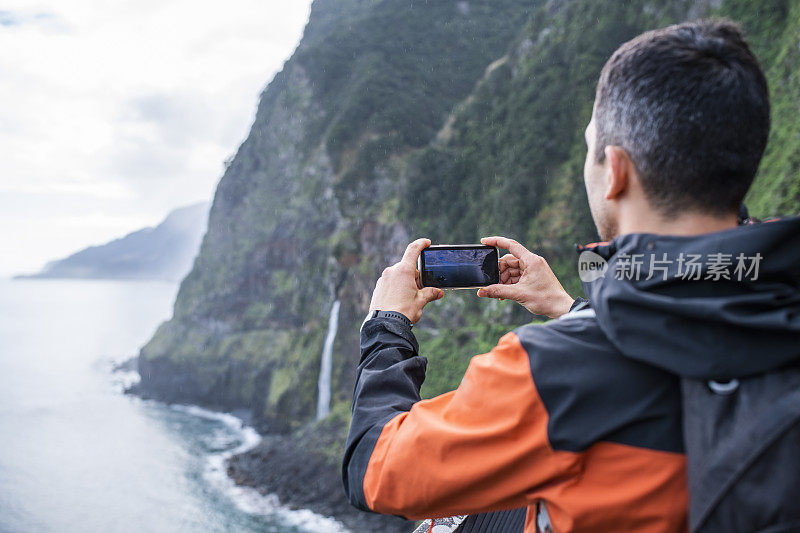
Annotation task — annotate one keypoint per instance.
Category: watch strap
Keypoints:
(377, 313)
(394, 314)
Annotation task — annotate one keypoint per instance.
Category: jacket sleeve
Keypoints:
(482, 447)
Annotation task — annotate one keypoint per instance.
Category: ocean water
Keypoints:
(78, 455)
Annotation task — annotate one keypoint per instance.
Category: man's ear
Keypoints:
(617, 174)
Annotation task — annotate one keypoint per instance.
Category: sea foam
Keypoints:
(248, 499)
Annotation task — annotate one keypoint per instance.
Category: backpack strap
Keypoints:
(742, 449)
(512, 521)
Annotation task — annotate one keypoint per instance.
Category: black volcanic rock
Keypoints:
(302, 470)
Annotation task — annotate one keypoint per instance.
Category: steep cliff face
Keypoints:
(306, 212)
(397, 119)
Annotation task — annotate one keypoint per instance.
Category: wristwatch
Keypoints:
(388, 314)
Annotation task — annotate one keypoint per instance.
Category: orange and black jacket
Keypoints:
(553, 414)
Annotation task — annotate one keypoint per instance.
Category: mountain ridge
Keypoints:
(162, 252)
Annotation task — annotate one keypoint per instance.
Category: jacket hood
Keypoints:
(714, 306)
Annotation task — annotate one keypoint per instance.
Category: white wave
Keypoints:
(248, 499)
(121, 379)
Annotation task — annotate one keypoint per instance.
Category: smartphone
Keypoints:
(459, 266)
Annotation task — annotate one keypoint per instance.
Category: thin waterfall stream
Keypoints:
(326, 363)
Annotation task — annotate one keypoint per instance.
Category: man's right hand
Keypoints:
(527, 279)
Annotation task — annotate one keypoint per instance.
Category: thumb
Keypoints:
(430, 294)
(499, 290)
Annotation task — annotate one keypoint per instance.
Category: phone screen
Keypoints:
(459, 266)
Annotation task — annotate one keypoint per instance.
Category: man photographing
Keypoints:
(579, 419)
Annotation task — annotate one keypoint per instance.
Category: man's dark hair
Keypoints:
(689, 103)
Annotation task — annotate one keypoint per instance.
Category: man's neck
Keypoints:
(685, 224)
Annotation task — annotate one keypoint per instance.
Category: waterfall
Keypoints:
(324, 384)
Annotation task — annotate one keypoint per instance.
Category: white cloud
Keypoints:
(113, 112)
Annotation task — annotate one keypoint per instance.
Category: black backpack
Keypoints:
(743, 452)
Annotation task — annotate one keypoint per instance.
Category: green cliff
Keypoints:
(398, 119)
(307, 210)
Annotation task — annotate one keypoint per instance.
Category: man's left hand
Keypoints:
(399, 289)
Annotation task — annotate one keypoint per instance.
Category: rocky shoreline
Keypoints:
(305, 479)
(302, 468)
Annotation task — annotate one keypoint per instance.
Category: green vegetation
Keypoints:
(774, 29)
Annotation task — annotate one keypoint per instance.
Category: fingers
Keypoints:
(510, 275)
(505, 292)
(509, 244)
(509, 260)
(413, 250)
(430, 294)
(510, 269)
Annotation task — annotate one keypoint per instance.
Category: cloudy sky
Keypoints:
(114, 112)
